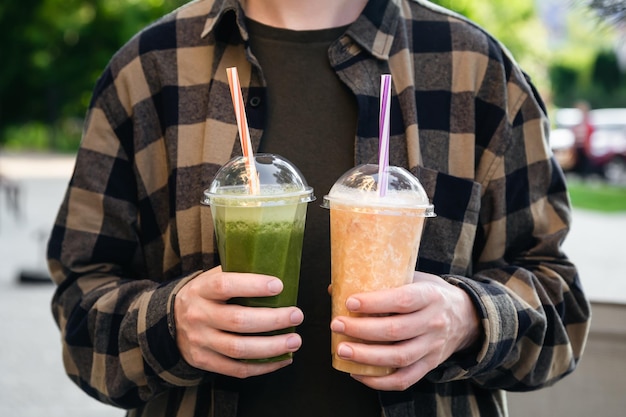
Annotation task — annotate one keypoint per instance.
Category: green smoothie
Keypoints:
(259, 229)
(272, 248)
(265, 240)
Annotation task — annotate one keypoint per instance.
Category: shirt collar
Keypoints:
(374, 29)
(219, 10)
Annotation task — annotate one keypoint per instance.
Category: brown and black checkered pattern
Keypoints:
(465, 120)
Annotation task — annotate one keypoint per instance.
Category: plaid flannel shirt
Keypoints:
(465, 119)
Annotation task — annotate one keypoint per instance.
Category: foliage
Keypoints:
(586, 67)
(62, 136)
(52, 53)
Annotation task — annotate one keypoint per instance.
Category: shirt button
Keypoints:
(255, 101)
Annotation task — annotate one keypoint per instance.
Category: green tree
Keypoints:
(605, 71)
(589, 54)
(53, 51)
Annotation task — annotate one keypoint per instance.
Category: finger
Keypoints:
(254, 347)
(242, 319)
(394, 328)
(216, 362)
(405, 299)
(412, 360)
(218, 285)
(396, 355)
(400, 380)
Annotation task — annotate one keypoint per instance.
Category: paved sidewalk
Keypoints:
(597, 243)
(32, 381)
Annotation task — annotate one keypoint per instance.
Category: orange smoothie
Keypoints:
(372, 248)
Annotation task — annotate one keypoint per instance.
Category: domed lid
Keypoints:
(359, 187)
(279, 182)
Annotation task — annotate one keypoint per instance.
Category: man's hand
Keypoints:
(211, 334)
(429, 320)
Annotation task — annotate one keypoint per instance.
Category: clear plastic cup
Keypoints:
(374, 241)
(263, 232)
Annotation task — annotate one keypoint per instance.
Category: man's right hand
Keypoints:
(213, 335)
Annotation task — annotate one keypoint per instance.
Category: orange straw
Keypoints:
(242, 126)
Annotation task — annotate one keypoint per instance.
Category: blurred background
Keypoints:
(52, 52)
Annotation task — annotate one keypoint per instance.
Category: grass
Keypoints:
(597, 196)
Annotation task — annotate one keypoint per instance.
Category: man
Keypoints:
(142, 301)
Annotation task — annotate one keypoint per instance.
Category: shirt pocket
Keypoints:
(448, 239)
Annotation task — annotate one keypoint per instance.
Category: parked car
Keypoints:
(607, 148)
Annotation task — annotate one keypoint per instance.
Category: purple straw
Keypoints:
(383, 134)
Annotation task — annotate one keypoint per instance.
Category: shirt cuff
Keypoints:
(499, 319)
(157, 336)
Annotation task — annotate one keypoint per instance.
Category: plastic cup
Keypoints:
(374, 242)
(261, 233)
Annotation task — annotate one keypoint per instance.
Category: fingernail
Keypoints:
(275, 286)
(337, 326)
(293, 342)
(353, 304)
(296, 317)
(345, 352)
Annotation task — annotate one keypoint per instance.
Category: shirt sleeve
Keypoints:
(527, 292)
(115, 317)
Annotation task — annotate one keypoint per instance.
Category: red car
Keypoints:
(605, 151)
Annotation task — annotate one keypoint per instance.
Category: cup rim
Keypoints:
(428, 210)
(256, 200)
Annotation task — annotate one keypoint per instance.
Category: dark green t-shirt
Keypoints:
(311, 120)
